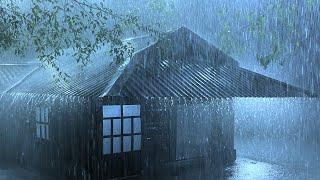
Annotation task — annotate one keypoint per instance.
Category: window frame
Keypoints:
(42, 121)
(122, 135)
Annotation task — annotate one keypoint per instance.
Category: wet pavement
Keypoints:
(13, 172)
(242, 169)
(248, 169)
(300, 158)
(245, 168)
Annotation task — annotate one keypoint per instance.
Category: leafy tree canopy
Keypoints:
(51, 26)
(276, 30)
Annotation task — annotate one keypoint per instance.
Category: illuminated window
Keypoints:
(121, 128)
(42, 123)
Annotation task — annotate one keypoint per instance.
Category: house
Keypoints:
(162, 109)
(11, 73)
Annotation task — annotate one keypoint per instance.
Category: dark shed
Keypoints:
(162, 109)
(11, 74)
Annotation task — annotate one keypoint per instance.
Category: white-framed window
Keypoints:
(42, 123)
(121, 129)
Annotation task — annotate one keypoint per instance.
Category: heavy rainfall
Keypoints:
(159, 89)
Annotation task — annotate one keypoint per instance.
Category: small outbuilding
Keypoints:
(168, 107)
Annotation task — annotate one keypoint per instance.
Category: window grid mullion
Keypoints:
(42, 126)
(122, 134)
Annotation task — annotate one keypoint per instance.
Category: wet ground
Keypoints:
(245, 168)
(298, 154)
(242, 169)
(248, 169)
(13, 172)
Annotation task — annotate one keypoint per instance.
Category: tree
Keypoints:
(51, 26)
(276, 30)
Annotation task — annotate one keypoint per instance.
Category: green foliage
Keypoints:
(267, 59)
(51, 26)
(161, 5)
(157, 5)
(163, 12)
(228, 36)
(312, 3)
(278, 30)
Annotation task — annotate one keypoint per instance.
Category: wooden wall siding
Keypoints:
(157, 130)
(75, 147)
(68, 133)
(161, 129)
(156, 140)
(195, 123)
(228, 124)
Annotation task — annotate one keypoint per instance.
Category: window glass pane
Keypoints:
(106, 145)
(126, 143)
(40, 130)
(43, 131)
(42, 115)
(116, 126)
(47, 132)
(137, 125)
(111, 111)
(127, 126)
(106, 127)
(117, 145)
(46, 115)
(38, 134)
(38, 115)
(136, 142)
(131, 110)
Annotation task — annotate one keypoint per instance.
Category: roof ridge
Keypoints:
(287, 83)
(21, 80)
(296, 87)
(19, 64)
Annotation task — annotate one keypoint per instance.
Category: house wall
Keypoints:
(199, 123)
(159, 129)
(195, 123)
(178, 134)
(75, 146)
(65, 152)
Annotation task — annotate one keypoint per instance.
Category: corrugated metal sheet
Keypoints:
(148, 75)
(10, 74)
(198, 81)
(84, 81)
(88, 81)
(169, 80)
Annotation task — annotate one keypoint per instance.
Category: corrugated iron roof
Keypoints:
(87, 81)
(200, 81)
(10, 74)
(152, 74)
